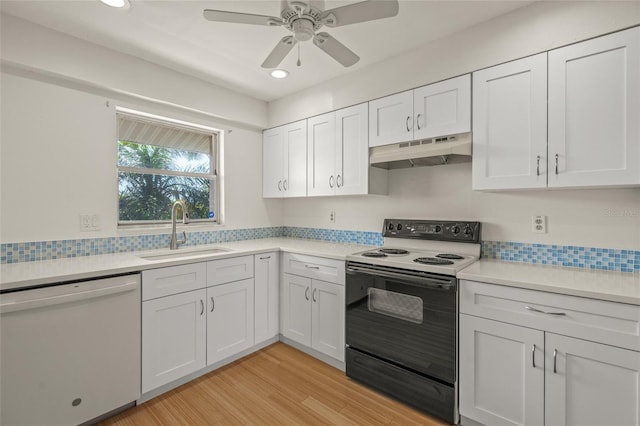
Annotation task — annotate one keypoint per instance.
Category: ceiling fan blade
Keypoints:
(241, 18)
(279, 52)
(360, 12)
(335, 49)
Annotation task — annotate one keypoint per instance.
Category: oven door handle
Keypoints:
(432, 282)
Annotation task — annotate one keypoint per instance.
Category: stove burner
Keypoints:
(373, 254)
(450, 256)
(433, 261)
(393, 251)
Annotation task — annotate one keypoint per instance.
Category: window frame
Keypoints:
(213, 176)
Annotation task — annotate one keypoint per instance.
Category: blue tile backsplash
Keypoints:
(544, 254)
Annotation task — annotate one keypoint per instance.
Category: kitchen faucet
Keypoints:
(173, 245)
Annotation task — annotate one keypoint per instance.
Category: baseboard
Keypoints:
(314, 353)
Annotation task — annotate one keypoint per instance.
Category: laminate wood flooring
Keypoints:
(277, 385)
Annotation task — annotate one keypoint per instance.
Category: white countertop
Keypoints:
(604, 285)
(27, 274)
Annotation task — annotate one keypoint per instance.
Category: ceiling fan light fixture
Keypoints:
(279, 73)
(120, 4)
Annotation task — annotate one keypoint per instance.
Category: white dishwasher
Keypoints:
(69, 353)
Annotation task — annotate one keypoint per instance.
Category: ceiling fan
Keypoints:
(304, 18)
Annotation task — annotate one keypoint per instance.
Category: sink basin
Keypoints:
(182, 253)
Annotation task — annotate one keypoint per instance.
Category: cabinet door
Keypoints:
(327, 319)
(273, 163)
(173, 338)
(296, 308)
(352, 150)
(266, 291)
(501, 372)
(442, 108)
(295, 159)
(510, 125)
(321, 151)
(229, 319)
(391, 119)
(594, 130)
(593, 384)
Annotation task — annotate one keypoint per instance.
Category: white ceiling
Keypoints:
(175, 34)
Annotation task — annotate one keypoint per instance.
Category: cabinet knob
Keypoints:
(331, 181)
(280, 185)
(538, 166)
(313, 295)
(284, 184)
(306, 293)
(418, 120)
(339, 181)
(556, 163)
(408, 119)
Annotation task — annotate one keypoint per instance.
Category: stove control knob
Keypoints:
(399, 227)
(438, 228)
(468, 231)
(455, 229)
(390, 226)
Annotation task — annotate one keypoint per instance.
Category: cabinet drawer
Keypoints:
(320, 268)
(601, 321)
(172, 280)
(229, 270)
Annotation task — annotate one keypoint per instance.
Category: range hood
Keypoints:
(427, 152)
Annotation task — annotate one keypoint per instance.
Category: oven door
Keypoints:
(404, 317)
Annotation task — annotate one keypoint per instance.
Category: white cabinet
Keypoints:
(312, 309)
(266, 290)
(594, 112)
(284, 161)
(338, 154)
(510, 125)
(590, 384)
(585, 133)
(438, 109)
(529, 358)
(501, 372)
(229, 320)
(193, 316)
(296, 308)
(173, 337)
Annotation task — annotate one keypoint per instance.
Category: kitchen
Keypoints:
(61, 89)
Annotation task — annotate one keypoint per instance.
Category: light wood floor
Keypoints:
(278, 385)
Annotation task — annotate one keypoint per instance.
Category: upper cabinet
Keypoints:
(284, 161)
(510, 125)
(434, 110)
(338, 154)
(590, 113)
(594, 112)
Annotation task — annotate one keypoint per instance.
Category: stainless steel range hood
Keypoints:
(427, 152)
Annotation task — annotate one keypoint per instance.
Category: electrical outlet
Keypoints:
(332, 216)
(89, 222)
(539, 224)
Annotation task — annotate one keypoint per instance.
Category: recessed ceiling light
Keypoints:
(116, 3)
(279, 73)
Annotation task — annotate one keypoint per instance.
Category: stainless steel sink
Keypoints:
(182, 253)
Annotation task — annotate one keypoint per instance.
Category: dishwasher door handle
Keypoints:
(68, 297)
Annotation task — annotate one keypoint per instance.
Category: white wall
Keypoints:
(58, 160)
(35, 47)
(596, 218)
(526, 31)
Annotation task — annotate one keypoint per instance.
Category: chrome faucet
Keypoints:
(173, 245)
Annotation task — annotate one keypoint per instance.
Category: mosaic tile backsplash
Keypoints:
(543, 254)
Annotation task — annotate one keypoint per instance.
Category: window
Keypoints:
(162, 160)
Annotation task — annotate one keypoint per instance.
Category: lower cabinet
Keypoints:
(517, 369)
(185, 330)
(174, 331)
(267, 290)
(229, 319)
(313, 314)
